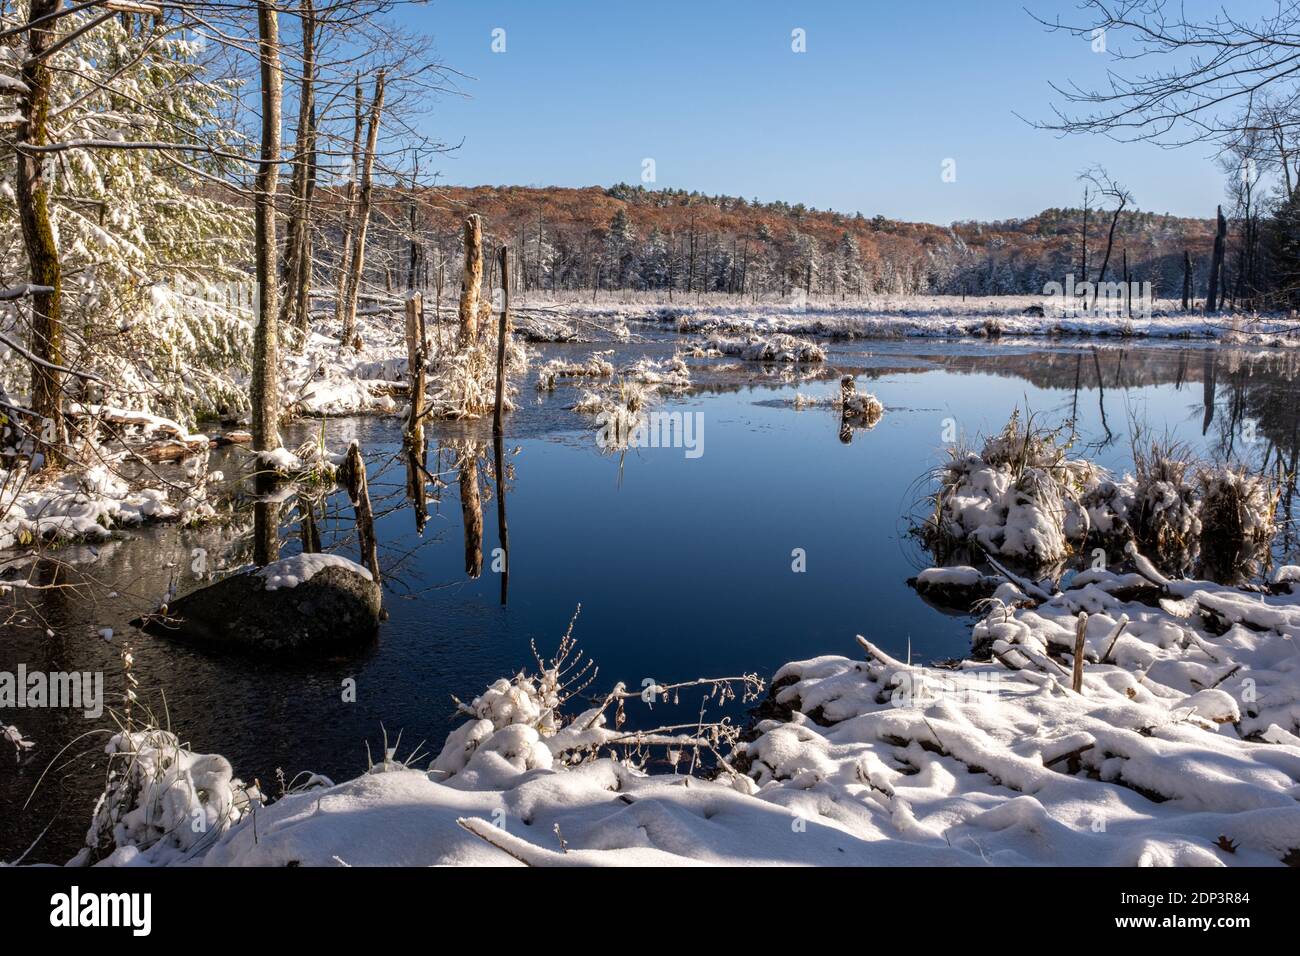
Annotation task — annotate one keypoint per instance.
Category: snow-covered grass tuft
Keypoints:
(777, 347)
(1023, 497)
(1237, 519)
(1019, 496)
(163, 803)
(596, 366)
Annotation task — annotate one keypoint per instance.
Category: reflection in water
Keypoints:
(266, 519)
(417, 480)
(503, 535)
(309, 532)
(471, 504)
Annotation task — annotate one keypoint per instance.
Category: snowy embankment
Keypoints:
(1179, 748)
(926, 316)
(1023, 497)
(87, 503)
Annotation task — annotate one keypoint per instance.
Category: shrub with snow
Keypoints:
(163, 803)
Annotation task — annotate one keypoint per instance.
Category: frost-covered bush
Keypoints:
(520, 724)
(462, 381)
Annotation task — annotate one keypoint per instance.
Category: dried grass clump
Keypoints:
(1163, 515)
(773, 348)
(1238, 518)
(671, 372)
(596, 366)
(462, 383)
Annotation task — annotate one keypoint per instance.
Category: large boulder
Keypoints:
(306, 605)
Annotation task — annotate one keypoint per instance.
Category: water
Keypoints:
(683, 566)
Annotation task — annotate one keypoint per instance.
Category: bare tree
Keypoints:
(361, 215)
(1107, 190)
(1204, 73)
(298, 245)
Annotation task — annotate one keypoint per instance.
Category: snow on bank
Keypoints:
(930, 316)
(85, 505)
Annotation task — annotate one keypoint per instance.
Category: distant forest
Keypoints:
(630, 237)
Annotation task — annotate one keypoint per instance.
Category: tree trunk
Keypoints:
(358, 262)
(1187, 280)
(1110, 242)
(1216, 264)
(350, 201)
(297, 264)
(32, 197)
(413, 264)
(266, 373)
(471, 280)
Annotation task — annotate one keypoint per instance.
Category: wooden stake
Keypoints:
(470, 282)
(415, 358)
(1081, 630)
(353, 474)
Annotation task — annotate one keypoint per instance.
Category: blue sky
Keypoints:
(711, 90)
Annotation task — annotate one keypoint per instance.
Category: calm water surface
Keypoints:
(683, 566)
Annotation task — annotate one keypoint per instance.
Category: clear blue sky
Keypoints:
(711, 90)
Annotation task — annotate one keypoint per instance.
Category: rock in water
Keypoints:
(307, 605)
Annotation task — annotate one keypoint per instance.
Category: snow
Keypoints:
(85, 506)
(163, 804)
(12, 735)
(907, 316)
(961, 576)
(291, 572)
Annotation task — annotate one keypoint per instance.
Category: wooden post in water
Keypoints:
(502, 332)
(415, 361)
(471, 281)
(353, 474)
(1080, 631)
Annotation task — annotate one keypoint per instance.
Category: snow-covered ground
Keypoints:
(907, 316)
